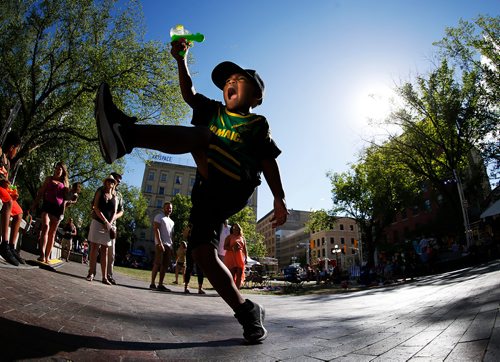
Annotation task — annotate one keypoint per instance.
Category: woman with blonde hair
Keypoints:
(236, 254)
(53, 192)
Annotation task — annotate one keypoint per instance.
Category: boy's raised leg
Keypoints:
(112, 126)
(118, 133)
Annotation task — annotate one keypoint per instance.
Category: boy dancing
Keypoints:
(231, 147)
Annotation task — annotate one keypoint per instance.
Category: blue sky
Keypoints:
(327, 65)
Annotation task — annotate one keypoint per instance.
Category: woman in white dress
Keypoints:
(101, 230)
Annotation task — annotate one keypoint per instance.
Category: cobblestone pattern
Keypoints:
(47, 315)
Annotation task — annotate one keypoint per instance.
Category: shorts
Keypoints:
(4, 195)
(163, 257)
(215, 200)
(16, 209)
(53, 209)
(66, 244)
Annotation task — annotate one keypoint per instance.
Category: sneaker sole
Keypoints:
(107, 142)
(262, 317)
(264, 336)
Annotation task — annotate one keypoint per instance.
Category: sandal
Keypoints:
(90, 277)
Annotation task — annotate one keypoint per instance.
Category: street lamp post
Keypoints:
(336, 250)
(464, 209)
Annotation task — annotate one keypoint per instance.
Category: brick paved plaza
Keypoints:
(46, 315)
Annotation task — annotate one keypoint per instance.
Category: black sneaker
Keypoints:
(251, 317)
(111, 280)
(162, 288)
(112, 126)
(7, 255)
(152, 286)
(16, 255)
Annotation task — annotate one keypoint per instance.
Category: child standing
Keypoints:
(180, 261)
(231, 147)
(85, 252)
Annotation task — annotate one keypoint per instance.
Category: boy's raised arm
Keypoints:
(185, 82)
(272, 174)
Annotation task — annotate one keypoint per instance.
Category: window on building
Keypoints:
(142, 235)
(341, 226)
(163, 177)
(352, 241)
(159, 203)
(323, 253)
(149, 188)
(151, 176)
(342, 241)
(178, 179)
(351, 227)
(427, 205)
(161, 190)
(192, 179)
(332, 240)
(322, 241)
(176, 191)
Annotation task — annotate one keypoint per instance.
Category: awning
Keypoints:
(492, 210)
(251, 262)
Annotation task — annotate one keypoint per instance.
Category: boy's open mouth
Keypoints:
(231, 93)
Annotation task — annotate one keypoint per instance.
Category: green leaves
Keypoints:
(55, 53)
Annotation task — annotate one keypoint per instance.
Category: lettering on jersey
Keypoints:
(226, 133)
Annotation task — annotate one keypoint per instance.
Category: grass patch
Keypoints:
(276, 288)
(145, 275)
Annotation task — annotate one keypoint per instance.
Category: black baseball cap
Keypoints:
(117, 176)
(225, 69)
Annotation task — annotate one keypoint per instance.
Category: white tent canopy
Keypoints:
(492, 210)
(251, 262)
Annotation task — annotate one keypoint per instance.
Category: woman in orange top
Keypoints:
(236, 254)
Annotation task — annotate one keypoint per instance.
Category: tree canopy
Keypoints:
(474, 47)
(54, 55)
(445, 118)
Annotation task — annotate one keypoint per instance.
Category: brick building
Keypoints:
(164, 177)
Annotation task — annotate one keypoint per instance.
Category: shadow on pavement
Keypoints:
(23, 341)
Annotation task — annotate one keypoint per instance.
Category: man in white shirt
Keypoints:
(225, 231)
(163, 230)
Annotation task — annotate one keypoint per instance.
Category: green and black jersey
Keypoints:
(242, 141)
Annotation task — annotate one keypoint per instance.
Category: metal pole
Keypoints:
(464, 209)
